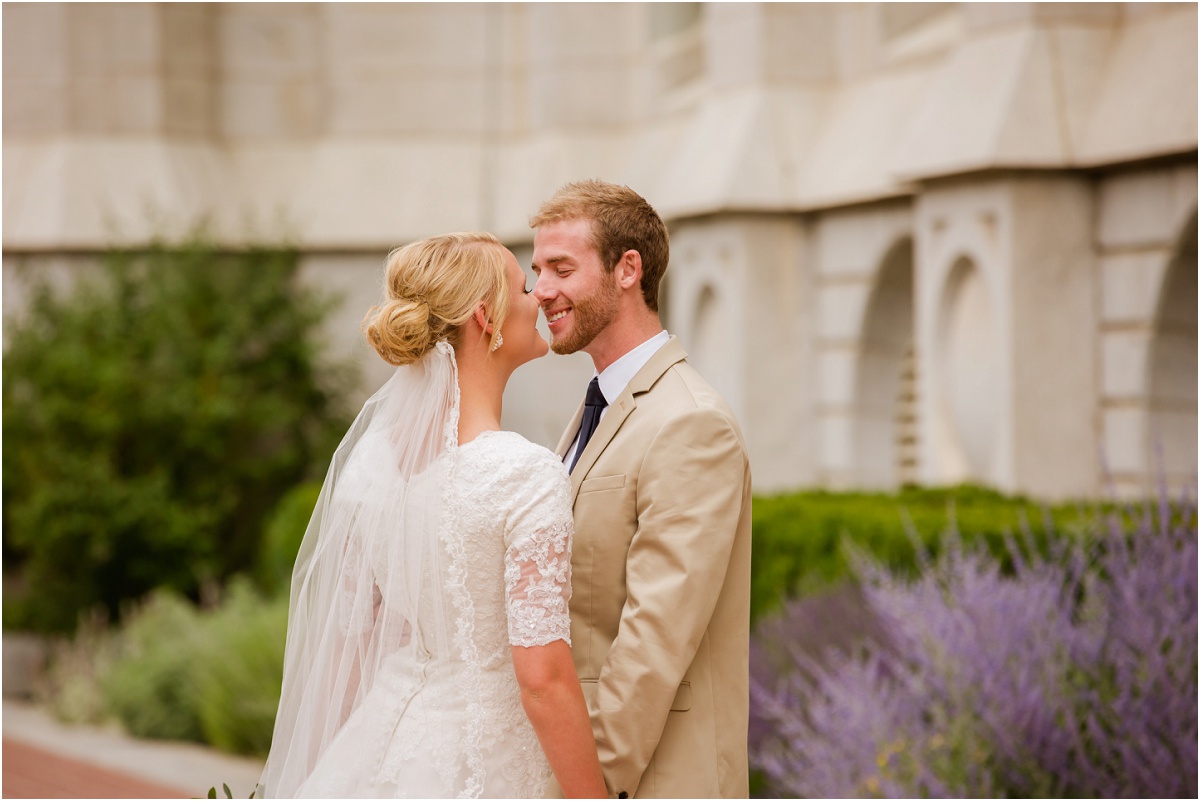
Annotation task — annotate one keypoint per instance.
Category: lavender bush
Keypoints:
(1075, 675)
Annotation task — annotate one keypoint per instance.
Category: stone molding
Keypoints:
(948, 97)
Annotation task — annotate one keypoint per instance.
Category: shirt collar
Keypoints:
(617, 375)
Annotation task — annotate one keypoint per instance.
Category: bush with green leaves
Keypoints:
(284, 533)
(800, 539)
(175, 671)
(153, 417)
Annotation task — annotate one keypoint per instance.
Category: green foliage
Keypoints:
(153, 417)
(212, 792)
(70, 687)
(150, 687)
(284, 533)
(238, 674)
(175, 671)
(800, 539)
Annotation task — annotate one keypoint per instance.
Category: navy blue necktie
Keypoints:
(593, 405)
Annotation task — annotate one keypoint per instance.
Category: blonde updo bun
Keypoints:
(431, 288)
(400, 331)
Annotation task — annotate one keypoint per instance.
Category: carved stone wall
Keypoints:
(911, 242)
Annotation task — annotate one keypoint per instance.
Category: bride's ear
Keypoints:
(481, 318)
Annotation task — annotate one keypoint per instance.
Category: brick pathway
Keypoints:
(32, 772)
(44, 757)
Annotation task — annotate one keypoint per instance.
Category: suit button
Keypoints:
(622, 794)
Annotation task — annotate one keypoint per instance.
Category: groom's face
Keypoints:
(578, 296)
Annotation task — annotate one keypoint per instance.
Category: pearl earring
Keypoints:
(499, 341)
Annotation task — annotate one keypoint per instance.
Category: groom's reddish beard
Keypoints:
(589, 316)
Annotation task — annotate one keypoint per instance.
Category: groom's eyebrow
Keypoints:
(550, 262)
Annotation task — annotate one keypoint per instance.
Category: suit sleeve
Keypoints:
(689, 498)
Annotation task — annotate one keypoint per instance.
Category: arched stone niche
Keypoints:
(885, 383)
(707, 292)
(713, 340)
(968, 404)
(1172, 376)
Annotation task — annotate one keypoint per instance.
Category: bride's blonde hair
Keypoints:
(431, 288)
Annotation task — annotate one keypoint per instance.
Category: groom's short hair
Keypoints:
(621, 220)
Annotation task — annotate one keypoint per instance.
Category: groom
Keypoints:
(660, 613)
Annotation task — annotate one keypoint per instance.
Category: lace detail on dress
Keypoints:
(537, 576)
(450, 430)
(513, 505)
(464, 637)
(458, 576)
(453, 724)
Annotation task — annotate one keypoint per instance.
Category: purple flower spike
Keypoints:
(1074, 676)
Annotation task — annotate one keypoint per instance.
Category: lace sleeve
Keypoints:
(537, 562)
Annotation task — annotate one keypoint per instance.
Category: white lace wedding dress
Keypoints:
(426, 704)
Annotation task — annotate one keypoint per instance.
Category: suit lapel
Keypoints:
(564, 444)
(618, 410)
(624, 404)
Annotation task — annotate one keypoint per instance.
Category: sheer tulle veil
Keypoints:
(356, 599)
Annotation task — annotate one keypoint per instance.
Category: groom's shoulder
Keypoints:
(682, 390)
(682, 407)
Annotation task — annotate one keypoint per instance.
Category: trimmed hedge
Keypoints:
(800, 538)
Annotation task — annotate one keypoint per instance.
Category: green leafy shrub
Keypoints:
(215, 675)
(70, 686)
(175, 671)
(151, 685)
(283, 536)
(799, 538)
(239, 672)
(153, 417)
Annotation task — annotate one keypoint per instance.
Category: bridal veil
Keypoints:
(357, 609)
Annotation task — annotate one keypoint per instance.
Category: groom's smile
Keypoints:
(577, 294)
(559, 321)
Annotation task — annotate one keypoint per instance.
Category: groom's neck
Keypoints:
(622, 335)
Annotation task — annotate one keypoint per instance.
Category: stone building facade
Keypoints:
(910, 242)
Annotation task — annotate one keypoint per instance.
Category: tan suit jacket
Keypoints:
(660, 615)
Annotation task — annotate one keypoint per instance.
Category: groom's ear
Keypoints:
(628, 271)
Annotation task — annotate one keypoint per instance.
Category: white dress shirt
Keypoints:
(617, 376)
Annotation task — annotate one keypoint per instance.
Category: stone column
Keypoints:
(1140, 218)
(1005, 289)
(854, 248)
(741, 301)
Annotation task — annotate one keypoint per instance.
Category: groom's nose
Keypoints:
(542, 289)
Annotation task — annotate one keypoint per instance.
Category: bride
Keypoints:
(428, 644)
